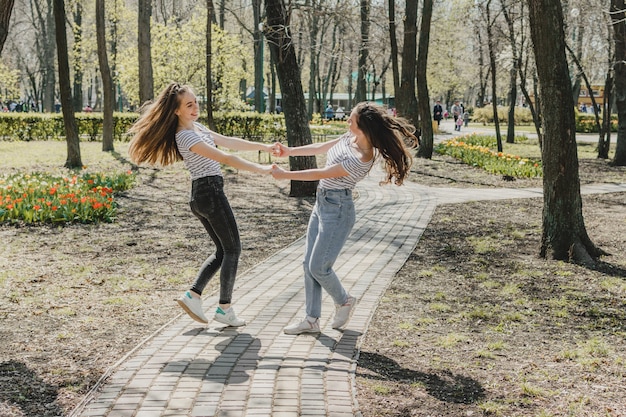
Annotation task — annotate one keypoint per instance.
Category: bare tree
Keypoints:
(486, 10)
(146, 80)
(43, 21)
(393, 42)
(77, 30)
(71, 131)
(604, 141)
(423, 100)
(361, 81)
(507, 10)
(6, 8)
(259, 101)
(107, 80)
(564, 235)
(618, 16)
(332, 69)
(210, 20)
(296, 117)
(406, 102)
(313, 17)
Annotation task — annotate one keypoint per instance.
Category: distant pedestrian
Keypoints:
(340, 113)
(458, 123)
(329, 112)
(466, 117)
(456, 110)
(438, 112)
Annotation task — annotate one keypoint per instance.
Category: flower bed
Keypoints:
(45, 198)
(474, 150)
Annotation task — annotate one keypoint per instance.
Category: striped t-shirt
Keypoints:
(199, 166)
(342, 154)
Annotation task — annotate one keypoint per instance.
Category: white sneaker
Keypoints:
(305, 326)
(193, 306)
(228, 317)
(343, 312)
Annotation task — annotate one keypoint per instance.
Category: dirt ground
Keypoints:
(474, 324)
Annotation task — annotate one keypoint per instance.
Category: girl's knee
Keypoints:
(319, 272)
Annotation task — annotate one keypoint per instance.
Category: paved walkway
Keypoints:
(186, 369)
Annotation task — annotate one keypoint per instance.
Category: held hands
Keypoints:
(278, 173)
(265, 169)
(279, 150)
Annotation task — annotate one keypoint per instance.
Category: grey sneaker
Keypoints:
(193, 307)
(305, 326)
(228, 317)
(343, 312)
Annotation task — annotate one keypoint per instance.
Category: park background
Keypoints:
(474, 55)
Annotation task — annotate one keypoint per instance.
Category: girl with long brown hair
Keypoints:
(168, 131)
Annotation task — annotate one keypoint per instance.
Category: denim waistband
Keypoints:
(208, 179)
(343, 191)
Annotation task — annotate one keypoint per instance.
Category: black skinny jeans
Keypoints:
(210, 205)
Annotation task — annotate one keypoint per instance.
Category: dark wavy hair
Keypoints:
(154, 133)
(391, 136)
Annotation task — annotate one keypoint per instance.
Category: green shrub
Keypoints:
(484, 115)
(50, 126)
(586, 123)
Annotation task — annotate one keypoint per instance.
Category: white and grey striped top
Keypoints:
(342, 154)
(198, 165)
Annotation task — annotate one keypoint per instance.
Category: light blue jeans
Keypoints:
(330, 224)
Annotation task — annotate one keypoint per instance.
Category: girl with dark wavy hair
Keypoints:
(373, 135)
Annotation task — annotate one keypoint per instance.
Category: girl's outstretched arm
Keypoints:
(234, 161)
(278, 149)
(239, 144)
(333, 171)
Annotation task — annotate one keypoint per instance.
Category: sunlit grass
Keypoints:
(451, 340)
(52, 154)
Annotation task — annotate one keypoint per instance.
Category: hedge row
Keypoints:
(49, 126)
(585, 123)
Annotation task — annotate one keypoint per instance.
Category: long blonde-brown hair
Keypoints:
(154, 139)
(390, 135)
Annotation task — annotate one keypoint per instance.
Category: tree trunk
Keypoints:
(492, 65)
(210, 21)
(6, 8)
(361, 81)
(107, 80)
(406, 102)
(510, 133)
(563, 229)
(71, 131)
(144, 49)
(49, 73)
(222, 13)
(296, 118)
(583, 76)
(426, 141)
(394, 46)
(482, 77)
(259, 102)
(604, 141)
(618, 16)
(522, 69)
(313, 22)
(77, 29)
